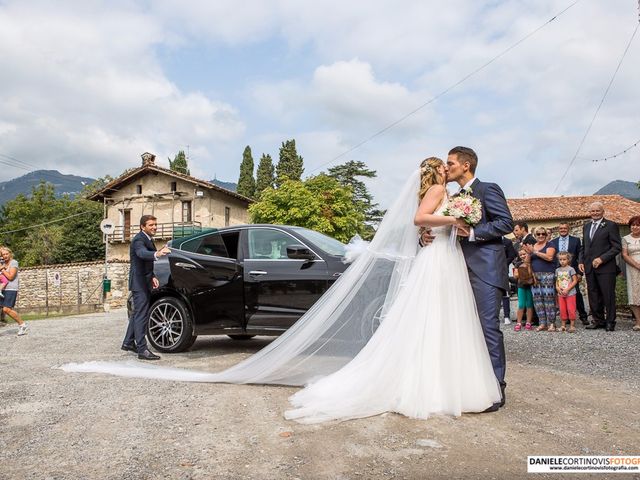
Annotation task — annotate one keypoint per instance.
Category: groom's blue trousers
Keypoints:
(488, 300)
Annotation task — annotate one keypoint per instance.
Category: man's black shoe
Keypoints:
(493, 408)
(610, 327)
(147, 355)
(594, 326)
(584, 320)
(129, 348)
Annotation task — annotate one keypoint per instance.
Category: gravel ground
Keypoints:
(609, 355)
(568, 394)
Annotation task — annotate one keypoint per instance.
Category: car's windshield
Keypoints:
(328, 244)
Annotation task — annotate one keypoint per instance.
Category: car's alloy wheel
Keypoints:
(170, 328)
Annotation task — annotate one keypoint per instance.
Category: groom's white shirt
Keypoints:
(472, 236)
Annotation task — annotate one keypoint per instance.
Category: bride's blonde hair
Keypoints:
(429, 175)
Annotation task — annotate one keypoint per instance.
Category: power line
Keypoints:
(446, 90)
(45, 223)
(614, 155)
(19, 163)
(624, 54)
(14, 162)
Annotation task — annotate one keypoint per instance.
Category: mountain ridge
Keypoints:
(62, 183)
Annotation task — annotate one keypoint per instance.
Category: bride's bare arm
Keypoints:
(430, 202)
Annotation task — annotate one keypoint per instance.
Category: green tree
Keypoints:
(31, 244)
(290, 164)
(179, 163)
(246, 182)
(347, 175)
(81, 239)
(42, 229)
(265, 176)
(319, 203)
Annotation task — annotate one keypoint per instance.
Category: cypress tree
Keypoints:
(265, 177)
(179, 163)
(246, 182)
(290, 164)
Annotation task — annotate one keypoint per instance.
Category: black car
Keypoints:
(239, 281)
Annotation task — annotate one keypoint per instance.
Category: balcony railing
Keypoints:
(166, 231)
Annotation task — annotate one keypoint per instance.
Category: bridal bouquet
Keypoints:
(467, 208)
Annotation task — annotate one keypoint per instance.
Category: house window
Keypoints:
(174, 186)
(227, 216)
(186, 211)
(139, 189)
(125, 222)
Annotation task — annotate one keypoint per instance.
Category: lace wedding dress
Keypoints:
(427, 357)
(398, 332)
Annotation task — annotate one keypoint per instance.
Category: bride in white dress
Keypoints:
(398, 332)
(429, 355)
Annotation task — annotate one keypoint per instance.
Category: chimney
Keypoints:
(148, 159)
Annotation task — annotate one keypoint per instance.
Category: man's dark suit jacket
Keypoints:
(605, 244)
(574, 247)
(485, 256)
(509, 250)
(141, 254)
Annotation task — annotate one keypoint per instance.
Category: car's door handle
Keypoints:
(337, 274)
(186, 266)
(257, 272)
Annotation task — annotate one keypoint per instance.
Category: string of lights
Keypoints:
(610, 157)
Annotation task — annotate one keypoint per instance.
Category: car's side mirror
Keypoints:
(298, 252)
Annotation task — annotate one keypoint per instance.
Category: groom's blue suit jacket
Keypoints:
(485, 256)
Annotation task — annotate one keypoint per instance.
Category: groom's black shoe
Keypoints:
(147, 355)
(493, 408)
(129, 347)
(498, 405)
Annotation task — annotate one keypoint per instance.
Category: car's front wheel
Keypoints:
(170, 328)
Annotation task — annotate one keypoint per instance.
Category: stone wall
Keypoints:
(72, 287)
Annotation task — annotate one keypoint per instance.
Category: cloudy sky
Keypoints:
(87, 86)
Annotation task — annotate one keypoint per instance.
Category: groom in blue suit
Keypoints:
(484, 253)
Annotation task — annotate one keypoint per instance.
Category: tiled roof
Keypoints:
(128, 175)
(616, 207)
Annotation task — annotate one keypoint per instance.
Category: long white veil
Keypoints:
(338, 325)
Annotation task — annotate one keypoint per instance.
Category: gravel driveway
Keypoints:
(568, 394)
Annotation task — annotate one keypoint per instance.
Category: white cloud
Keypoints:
(346, 97)
(87, 95)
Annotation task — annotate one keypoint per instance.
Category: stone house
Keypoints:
(183, 205)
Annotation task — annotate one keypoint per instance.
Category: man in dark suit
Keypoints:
(142, 254)
(484, 253)
(571, 244)
(523, 237)
(511, 255)
(601, 244)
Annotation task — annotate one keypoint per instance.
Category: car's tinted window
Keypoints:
(328, 244)
(265, 243)
(211, 244)
(230, 240)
